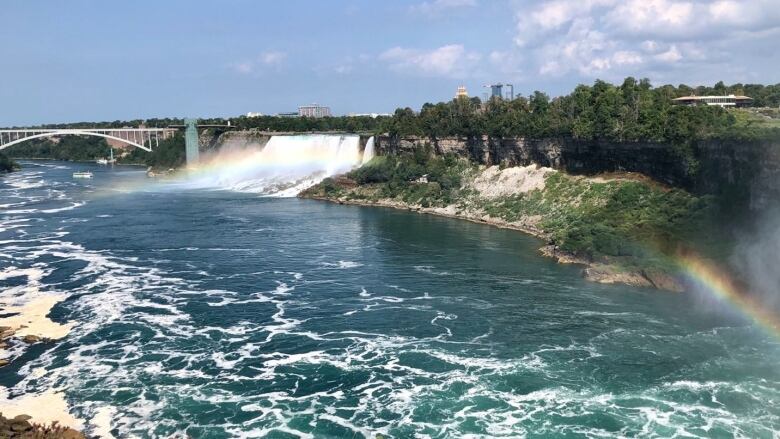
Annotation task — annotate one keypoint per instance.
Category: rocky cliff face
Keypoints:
(745, 174)
(215, 139)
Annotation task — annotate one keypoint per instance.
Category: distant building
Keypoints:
(253, 114)
(461, 93)
(313, 110)
(721, 101)
(497, 91)
(287, 114)
(371, 115)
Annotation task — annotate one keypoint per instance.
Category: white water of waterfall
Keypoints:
(284, 167)
(368, 152)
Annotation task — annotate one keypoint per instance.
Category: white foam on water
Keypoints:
(430, 270)
(342, 265)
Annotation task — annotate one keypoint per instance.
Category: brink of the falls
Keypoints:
(284, 167)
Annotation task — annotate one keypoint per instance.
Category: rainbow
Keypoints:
(716, 281)
(290, 162)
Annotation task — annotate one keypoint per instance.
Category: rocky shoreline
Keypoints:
(592, 271)
(33, 415)
(20, 426)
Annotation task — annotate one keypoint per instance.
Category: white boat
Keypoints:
(82, 174)
(102, 161)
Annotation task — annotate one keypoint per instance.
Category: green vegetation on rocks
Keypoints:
(74, 148)
(170, 153)
(618, 221)
(422, 178)
(7, 164)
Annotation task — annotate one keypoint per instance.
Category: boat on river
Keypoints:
(82, 174)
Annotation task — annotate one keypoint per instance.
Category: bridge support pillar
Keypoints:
(191, 141)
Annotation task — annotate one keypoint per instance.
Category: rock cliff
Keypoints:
(743, 174)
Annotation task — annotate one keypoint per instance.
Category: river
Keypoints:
(214, 313)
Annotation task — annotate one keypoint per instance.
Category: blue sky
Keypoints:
(75, 60)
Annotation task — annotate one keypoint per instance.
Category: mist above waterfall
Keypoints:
(756, 258)
(283, 167)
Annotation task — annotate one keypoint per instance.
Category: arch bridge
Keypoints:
(137, 137)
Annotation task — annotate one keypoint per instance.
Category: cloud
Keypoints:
(272, 58)
(447, 61)
(264, 61)
(670, 56)
(435, 7)
(612, 38)
(243, 67)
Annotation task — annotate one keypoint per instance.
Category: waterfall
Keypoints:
(284, 167)
(368, 152)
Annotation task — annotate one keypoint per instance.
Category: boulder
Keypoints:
(31, 339)
(20, 426)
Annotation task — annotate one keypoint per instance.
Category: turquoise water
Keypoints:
(216, 314)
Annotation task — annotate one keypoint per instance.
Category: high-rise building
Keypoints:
(313, 110)
(496, 90)
(461, 92)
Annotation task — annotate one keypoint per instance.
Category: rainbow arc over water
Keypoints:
(718, 282)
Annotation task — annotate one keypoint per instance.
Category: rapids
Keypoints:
(213, 313)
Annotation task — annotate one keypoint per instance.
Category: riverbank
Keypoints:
(618, 226)
(592, 271)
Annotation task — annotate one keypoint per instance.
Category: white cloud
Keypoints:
(506, 65)
(651, 16)
(264, 61)
(242, 67)
(610, 38)
(670, 56)
(272, 58)
(649, 46)
(450, 61)
(626, 57)
(434, 7)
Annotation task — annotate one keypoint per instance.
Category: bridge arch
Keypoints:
(135, 137)
(77, 133)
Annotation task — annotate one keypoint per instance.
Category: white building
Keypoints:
(721, 101)
(371, 115)
(313, 110)
(253, 114)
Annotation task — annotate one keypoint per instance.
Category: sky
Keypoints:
(90, 60)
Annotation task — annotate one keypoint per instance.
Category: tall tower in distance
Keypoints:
(461, 93)
(191, 141)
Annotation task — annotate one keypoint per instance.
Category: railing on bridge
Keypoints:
(138, 137)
